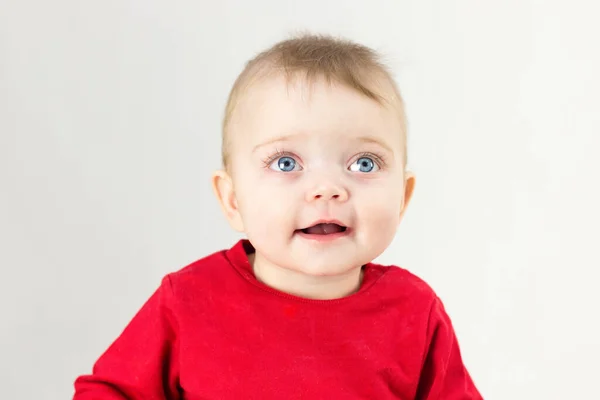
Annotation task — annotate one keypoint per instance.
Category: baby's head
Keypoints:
(314, 154)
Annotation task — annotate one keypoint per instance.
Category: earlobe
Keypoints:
(222, 185)
(409, 187)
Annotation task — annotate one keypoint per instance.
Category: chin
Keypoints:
(325, 268)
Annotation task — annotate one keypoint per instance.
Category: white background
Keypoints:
(110, 127)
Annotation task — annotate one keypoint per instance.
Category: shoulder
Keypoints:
(205, 277)
(207, 265)
(399, 284)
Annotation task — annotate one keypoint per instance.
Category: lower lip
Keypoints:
(323, 238)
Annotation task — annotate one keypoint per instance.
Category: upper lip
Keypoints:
(325, 221)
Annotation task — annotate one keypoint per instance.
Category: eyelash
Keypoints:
(278, 154)
(377, 158)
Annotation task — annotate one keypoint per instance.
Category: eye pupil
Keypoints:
(286, 164)
(365, 164)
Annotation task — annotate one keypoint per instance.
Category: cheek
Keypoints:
(381, 213)
(378, 224)
(265, 208)
(380, 207)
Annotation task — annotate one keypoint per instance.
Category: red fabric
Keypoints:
(212, 331)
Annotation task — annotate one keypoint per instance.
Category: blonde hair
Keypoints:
(315, 57)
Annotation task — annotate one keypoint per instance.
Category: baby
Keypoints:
(314, 174)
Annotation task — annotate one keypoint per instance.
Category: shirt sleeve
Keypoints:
(444, 376)
(142, 363)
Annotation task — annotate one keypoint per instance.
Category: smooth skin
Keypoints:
(301, 156)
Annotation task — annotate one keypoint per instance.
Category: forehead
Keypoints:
(276, 107)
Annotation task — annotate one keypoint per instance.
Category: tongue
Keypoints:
(323, 229)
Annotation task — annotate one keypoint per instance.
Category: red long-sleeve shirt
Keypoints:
(213, 331)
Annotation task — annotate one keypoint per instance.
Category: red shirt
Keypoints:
(213, 331)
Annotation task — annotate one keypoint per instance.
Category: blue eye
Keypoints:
(285, 164)
(364, 164)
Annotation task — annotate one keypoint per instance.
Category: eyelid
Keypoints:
(377, 158)
(278, 154)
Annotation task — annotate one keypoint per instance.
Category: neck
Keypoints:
(303, 285)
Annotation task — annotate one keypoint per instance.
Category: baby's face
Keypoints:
(318, 175)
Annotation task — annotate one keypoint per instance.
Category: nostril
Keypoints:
(337, 194)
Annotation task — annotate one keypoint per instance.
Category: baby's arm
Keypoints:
(444, 375)
(142, 362)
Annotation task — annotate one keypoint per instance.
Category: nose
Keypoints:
(327, 191)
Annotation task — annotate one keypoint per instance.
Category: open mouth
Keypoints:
(324, 232)
(324, 229)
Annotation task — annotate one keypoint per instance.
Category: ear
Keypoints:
(223, 189)
(409, 187)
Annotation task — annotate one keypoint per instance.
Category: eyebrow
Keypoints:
(288, 138)
(367, 139)
(285, 138)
